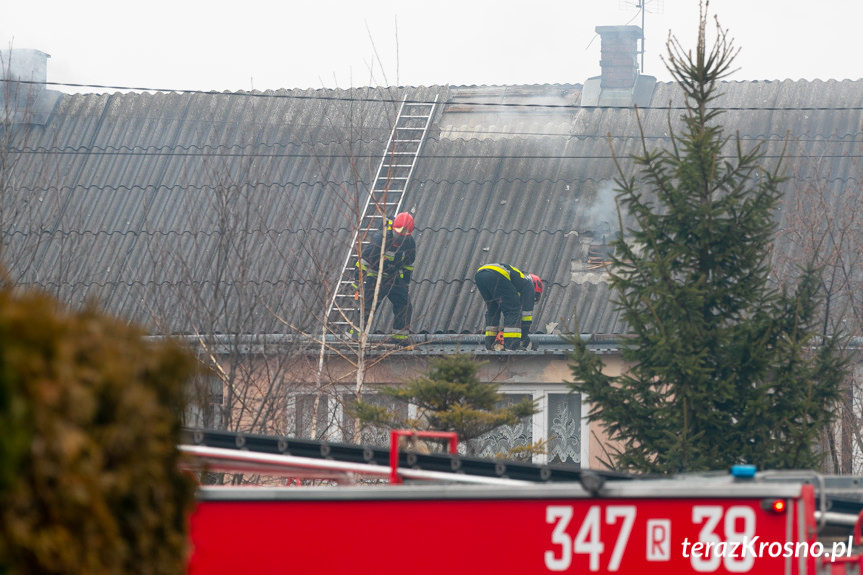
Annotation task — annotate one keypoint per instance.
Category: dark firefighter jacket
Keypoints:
(398, 259)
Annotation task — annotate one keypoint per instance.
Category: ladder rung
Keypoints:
(371, 223)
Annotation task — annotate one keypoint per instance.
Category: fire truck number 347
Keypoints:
(737, 523)
(588, 539)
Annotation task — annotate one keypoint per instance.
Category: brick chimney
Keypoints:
(619, 56)
(25, 64)
(620, 84)
(23, 94)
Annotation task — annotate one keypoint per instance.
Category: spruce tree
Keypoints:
(450, 397)
(724, 369)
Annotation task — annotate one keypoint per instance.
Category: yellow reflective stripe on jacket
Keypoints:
(498, 269)
(369, 272)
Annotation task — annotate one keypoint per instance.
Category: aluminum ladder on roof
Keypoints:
(383, 201)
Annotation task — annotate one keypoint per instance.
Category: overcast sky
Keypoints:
(240, 45)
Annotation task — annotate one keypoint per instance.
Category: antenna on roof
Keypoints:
(643, 6)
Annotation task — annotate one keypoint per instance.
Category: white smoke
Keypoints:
(601, 216)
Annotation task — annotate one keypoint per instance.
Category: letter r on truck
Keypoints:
(659, 539)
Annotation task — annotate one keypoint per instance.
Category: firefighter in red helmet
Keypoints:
(508, 291)
(398, 265)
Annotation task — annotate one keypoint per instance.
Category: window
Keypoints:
(563, 428)
(558, 424)
(504, 439)
(373, 436)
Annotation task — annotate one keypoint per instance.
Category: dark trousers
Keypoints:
(397, 293)
(501, 298)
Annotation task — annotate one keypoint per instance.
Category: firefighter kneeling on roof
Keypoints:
(398, 265)
(508, 291)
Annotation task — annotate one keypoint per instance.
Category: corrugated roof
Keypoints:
(233, 212)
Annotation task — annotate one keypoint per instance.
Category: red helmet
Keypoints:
(403, 224)
(537, 284)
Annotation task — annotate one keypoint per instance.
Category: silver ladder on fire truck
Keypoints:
(466, 515)
(309, 458)
(384, 200)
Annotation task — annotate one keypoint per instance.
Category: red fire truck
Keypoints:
(445, 513)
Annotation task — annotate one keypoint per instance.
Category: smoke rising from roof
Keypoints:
(601, 216)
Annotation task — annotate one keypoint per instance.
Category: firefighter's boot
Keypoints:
(401, 339)
(490, 336)
(511, 344)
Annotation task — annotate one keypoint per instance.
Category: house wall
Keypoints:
(305, 409)
(543, 377)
